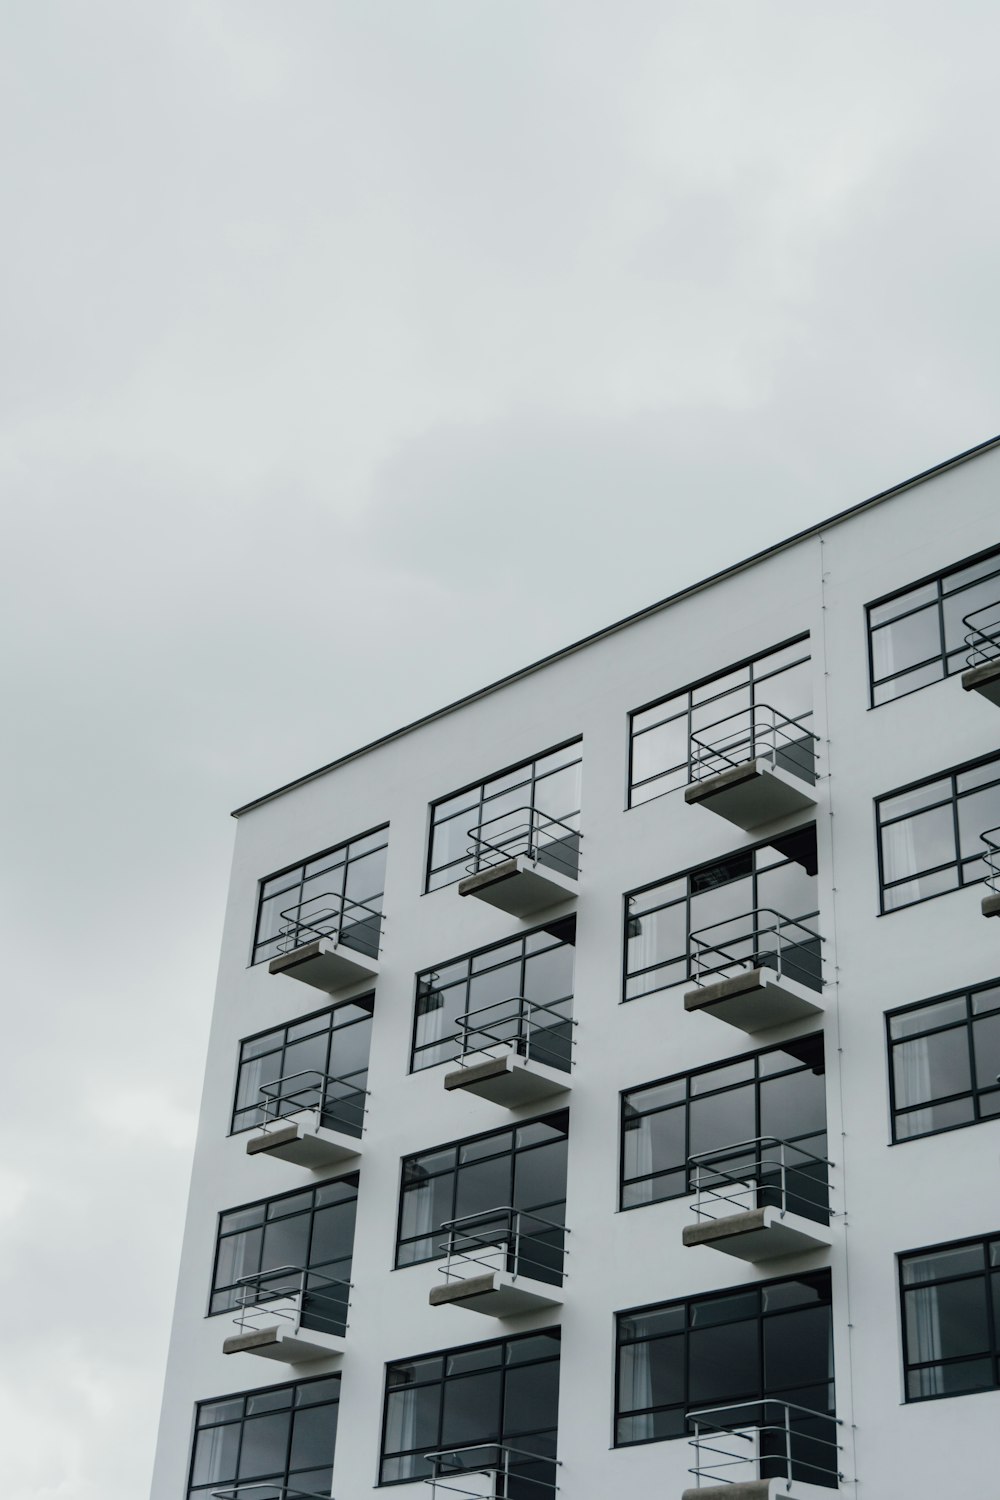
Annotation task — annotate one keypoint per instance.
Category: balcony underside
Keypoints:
(761, 1489)
(519, 886)
(752, 794)
(991, 904)
(755, 1000)
(291, 1348)
(316, 1149)
(498, 1294)
(984, 680)
(507, 1079)
(759, 1234)
(325, 965)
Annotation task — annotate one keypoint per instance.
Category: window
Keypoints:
(770, 1342)
(477, 1397)
(321, 1058)
(283, 1435)
(523, 1168)
(337, 894)
(944, 1062)
(491, 984)
(918, 636)
(929, 833)
(951, 1319)
(780, 1093)
(659, 920)
(660, 735)
(310, 1232)
(503, 807)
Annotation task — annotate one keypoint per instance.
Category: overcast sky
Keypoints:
(328, 326)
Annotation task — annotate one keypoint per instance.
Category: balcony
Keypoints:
(290, 1314)
(502, 1262)
(266, 1492)
(760, 1199)
(753, 767)
(514, 1052)
(983, 661)
(760, 1450)
(491, 1471)
(329, 942)
(311, 1119)
(523, 862)
(991, 901)
(756, 970)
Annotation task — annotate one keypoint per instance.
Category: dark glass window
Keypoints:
(759, 1344)
(480, 1398)
(917, 637)
(283, 1435)
(660, 735)
(780, 1093)
(322, 1058)
(523, 1168)
(779, 876)
(337, 894)
(501, 808)
(263, 1249)
(519, 991)
(929, 833)
(944, 1062)
(951, 1319)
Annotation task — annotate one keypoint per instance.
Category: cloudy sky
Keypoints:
(326, 327)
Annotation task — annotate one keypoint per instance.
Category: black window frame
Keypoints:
(974, 1093)
(990, 1275)
(205, 1490)
(292, 894)
(351, 1122)
(953, 799)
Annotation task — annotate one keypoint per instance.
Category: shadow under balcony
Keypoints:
(502, 1262)
(753, 767)
(523, 862)
(329, 942)
(311, 1119)
(759, 1200)
(756, 970)
(290, 1314)
(514, 1052)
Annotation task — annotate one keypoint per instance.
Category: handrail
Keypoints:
(497, 1240)
(745, 1178)
(236, 1491)
(524, 837)
(324, 1103)
(254, 1308)
(500, 1467)
(704, 972)
(328, 922)
(523, 1020)
(983, 639)
(765, 735)
(749, 1431)
(991, 838)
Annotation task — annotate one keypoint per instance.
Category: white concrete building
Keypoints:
(622, 1043)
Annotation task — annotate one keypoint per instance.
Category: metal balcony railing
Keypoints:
(294, 1295)
(505, 1239)
(356, 924)
(765, 1439)
(991, 839)
(267, 1492)
(982, 635)
(315, 1091)
(543, 1033)
(757, 733)
(507, 1467)
(757, 939)
(524, 830)
(763, 1172)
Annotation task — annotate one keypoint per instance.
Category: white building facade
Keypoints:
(613, 1059)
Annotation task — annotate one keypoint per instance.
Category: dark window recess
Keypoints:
(917, 637)
(929, 833)
(523, 1168)
(944, 1062)
(951, 1319)
(542, 795)
(779, 1093)
(284, 1435)
(480, 1398)
(264, 1248)
(514, 990)
(758, 1344)
(321, 1059)
(775, 877)
(660, 736)
(336, 895)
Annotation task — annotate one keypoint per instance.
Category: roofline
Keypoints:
(607, 630)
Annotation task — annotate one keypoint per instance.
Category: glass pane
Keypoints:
(966, 603)
(558, 796)
(927, 1017)
(722, 1120)
(977, 813)
(426, 1206)
(931, 1067)
(902, 603)
(986, 1041)
(286, 1243)
(913, 801)
(951, 1380)
(471, 1410)
(798, 1349)
(651, 1374)
(943, 1322)
(483, 1185)
(531, 1401)
(918, 843)
(724, 1363)
(549, 976)
(985, 1000)
(914, 639)
(333, 1234)
(540, 1176)
(711, 1080)
(265, 1444)
(314, 1434)
(657, 937)
(909, 682)
(793, 1104)
(450, 842)
(412, 1418)
(660, 750)
(934, 1117)
(938, 1264)
(920, 890)
(239, 1255)
(789, 693)
(215, 1454)
(556, 758)
(654, 1144)
(648, 1325)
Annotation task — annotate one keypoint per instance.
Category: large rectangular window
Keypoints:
(660, 735)
(481, 1399)
(336, 894)
(929, 833)
(779, 1093)
(766, 1343)
(521, 991)
(944, 1062)
(298, 1244)
(284, 1435)
(320, 1061)
(712, 901)
(951, 1319)
(521, 1169)
(917, 636)
(539, 801)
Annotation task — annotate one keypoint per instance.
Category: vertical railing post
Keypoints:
(784, 1178)
(788, 1443)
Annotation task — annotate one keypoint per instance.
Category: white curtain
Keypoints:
(923, 1334)
(635, 1387)
(912, 1065)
